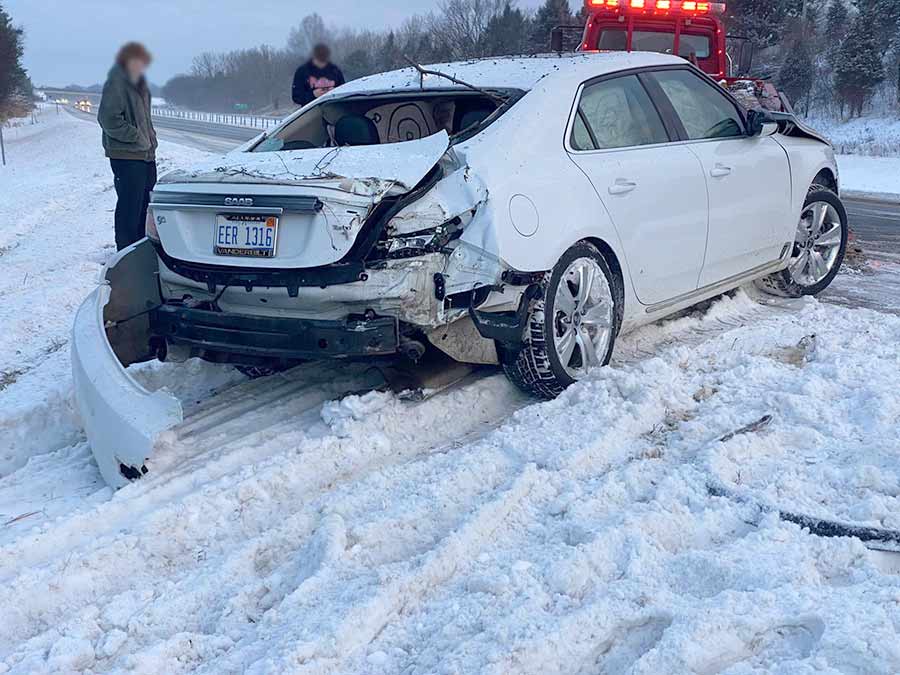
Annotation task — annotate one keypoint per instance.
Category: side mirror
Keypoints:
(761, 123)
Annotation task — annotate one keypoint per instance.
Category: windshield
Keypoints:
(388, 118)
(614, 39)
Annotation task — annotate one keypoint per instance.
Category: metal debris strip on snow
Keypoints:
(873, 537)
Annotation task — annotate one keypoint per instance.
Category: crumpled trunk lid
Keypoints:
(370, 170)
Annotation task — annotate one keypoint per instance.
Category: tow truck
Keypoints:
(692, 29)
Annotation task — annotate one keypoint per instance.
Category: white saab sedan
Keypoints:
(520, 211)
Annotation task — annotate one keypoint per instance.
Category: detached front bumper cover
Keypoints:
(121, 418)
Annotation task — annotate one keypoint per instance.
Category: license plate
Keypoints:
(246, 236)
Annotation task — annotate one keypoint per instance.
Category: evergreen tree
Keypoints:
(837, 21)
(796, 76)
(885, 20)
(390, 57)
(507, 32)
(859, 68)
(551, 14)
(15, 88)
(815, 10)
(357, 64)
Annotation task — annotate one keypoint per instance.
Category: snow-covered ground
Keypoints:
(875, 134)
(868, 152)
(877, 177)
(475, 532)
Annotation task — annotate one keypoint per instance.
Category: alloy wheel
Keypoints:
(818, 244)
(583, 312)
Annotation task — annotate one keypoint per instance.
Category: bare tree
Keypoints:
(462, 25)
(208, 65)
(309, 33)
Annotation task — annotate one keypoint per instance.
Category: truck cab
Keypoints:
(691, 29)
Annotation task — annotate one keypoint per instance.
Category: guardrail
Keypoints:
(226, 119)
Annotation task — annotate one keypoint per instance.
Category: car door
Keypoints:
(748, 179)
(653, 189)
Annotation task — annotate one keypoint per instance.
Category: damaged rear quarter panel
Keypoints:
(459, 194)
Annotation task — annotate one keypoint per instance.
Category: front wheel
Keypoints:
(572, 324)
(819, 248)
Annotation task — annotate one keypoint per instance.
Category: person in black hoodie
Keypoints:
(316, 77)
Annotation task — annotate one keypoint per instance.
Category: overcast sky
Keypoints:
(73, 41)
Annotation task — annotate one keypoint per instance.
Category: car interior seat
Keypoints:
(356, 130)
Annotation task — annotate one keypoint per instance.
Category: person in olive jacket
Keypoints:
(129, 140)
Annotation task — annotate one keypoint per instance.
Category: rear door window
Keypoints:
(616, 113)
(704, 111)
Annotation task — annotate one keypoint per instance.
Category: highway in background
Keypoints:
(218, 138)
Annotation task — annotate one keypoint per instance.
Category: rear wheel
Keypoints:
(572, 324)
(819, 248)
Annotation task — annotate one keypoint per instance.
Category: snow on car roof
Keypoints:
(514, 72)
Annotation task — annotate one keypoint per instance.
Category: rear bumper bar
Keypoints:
(122, 420)
(273, 337)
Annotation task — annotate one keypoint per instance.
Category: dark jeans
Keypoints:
(134, 181)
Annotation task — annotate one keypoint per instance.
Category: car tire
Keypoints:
(547, 363)
(819, 248)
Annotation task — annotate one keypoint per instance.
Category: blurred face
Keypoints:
(321, 56)
(136, 68)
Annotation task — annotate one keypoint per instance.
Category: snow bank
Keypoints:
(874, 136)
(56, 232)
(877, 177)
(868, 151)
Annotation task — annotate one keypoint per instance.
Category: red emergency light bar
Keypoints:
(656, 6)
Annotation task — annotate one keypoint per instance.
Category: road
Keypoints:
(876, 223)
(203, 136)
(876, 226)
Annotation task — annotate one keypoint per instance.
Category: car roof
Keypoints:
(507, 72)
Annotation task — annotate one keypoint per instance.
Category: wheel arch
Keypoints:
(615, 266)
(827, 178)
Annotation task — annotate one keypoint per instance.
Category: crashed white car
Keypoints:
(513, 211)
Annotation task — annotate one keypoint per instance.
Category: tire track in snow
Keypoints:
(591, 458)
(365, 621)
(263, 494)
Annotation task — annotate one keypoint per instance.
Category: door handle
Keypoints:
(720, 171)
(622, 187)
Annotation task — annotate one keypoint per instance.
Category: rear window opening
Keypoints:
(389, 118)
(615, 39)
